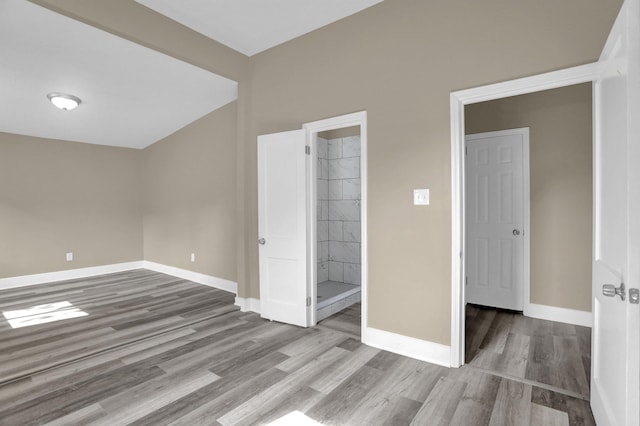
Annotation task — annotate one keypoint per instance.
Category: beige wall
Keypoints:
(58, 197)
(111, 205)
(399, 61)
(561, 186)
(137, 23)
(190, 195)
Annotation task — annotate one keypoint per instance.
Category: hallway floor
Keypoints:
(553, 355)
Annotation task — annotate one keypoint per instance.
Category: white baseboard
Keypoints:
(196, 277)
(552, 313)
(69, 274)
(72, 274)
(422, 350)
(248, 304)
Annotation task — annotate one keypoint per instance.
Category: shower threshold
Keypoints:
(332, 297)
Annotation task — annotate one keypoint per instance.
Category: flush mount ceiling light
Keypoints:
(64, 101)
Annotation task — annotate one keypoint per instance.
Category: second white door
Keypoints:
(495, 188)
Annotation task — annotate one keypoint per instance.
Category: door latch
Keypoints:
(634, 296)
(611, 290)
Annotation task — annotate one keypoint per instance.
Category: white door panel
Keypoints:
(615, 378)
(495, 209)
(282, 224)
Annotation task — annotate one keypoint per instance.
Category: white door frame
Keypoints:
(312, 129)
(526, 204)
(458, 100)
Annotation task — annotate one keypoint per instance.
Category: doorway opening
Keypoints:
(529, 236)
(288, 221)
(337, 259)
(522, 184)
(459, 100)
(338, 266)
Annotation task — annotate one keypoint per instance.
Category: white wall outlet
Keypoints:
(69, 257)
(420, 197)
(193, 257)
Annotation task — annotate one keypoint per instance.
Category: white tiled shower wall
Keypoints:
(339, 210)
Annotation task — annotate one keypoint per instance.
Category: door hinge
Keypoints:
(466, 150)
(308, 301)
(466, 280)
(307, 150)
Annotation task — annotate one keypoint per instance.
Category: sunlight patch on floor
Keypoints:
(295, 418)
(42, 314)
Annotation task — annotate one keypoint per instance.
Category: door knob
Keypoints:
(262, 241)
(516, 232)
(611, 290)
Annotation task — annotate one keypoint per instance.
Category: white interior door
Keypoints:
(495, 215)
(282, 227)
(615, 374)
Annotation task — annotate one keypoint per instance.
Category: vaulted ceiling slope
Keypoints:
(252, 26)
(131, 96)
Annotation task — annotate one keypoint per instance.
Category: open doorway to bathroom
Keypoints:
(339, 240)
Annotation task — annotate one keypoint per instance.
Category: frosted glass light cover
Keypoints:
(63, 101)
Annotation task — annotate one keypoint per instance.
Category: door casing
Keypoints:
(458, 100)
(312, 129)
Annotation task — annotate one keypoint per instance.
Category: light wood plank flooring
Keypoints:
(156, 350)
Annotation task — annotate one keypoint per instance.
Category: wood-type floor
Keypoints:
(549, 353)
(157, 350)
(345, 321)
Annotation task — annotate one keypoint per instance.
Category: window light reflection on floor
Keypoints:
(295, 418)
(42, 314)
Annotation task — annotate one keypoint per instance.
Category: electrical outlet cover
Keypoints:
(420, 197)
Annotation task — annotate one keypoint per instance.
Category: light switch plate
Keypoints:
(420, 197)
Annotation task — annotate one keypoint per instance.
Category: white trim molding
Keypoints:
(72, 274)
(553, 313)
(196, 277)
(458, 100)
(312, 129)
(69, 274)
(248, 304)
(422, 350)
